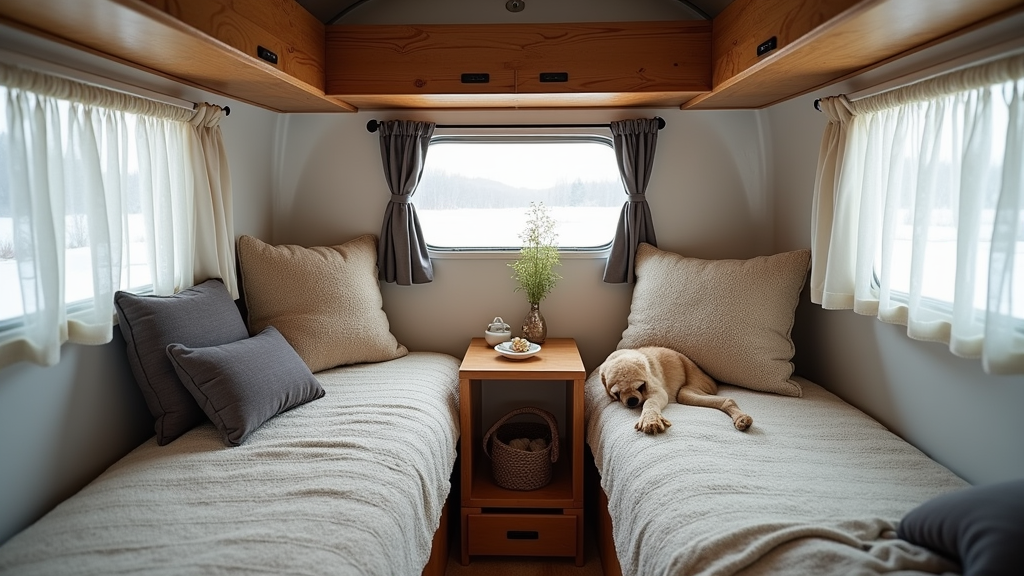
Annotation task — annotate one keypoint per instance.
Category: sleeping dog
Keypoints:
(649, 376)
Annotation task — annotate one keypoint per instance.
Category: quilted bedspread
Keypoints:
(815, 487)
(352, 483)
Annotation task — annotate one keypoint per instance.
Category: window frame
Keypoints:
(492, 252)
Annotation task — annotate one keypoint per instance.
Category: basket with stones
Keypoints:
(522, 453)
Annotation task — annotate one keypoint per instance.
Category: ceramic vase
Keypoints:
(535, 329)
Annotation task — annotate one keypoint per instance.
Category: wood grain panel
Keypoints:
(870, 32)
(655, 63)
(280, 26)
(745, 24)
(620, 57)
(417, 60)
(139, 34)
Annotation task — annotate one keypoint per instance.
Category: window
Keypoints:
(475, 190)
(923, 199)
(77, 253)
(919, 211)
(98, 194)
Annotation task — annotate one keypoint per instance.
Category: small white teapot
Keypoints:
(497, 332)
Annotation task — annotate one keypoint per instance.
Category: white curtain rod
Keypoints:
(19, 59)
(1008, 48)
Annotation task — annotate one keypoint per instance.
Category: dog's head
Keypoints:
(625, 375)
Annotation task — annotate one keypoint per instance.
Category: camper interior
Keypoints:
(732, 128)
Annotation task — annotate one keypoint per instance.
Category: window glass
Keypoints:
(475, 191)
(926, 213)
(77, 257)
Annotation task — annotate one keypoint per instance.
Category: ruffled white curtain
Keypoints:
(72, 154)
(917, 214)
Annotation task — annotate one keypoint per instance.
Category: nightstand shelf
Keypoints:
(547, 521)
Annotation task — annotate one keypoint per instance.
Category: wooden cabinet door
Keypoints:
(281, 27)
(746, 24)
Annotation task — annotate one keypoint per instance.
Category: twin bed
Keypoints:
(327, 451)
(352, 483)
(354, 479)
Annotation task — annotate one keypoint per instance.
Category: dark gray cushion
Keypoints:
(243, 384)
(204, 315)
(981, 527)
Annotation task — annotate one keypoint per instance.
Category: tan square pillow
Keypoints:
(732, 317)
(324, 300)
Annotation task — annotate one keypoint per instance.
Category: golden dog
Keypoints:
(651, 375)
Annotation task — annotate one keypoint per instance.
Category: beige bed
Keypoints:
(815, 487)
(352, 483)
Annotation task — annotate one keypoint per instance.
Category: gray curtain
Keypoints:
(401, 252)
(635, 141)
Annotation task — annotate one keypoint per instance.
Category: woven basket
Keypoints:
(516, 469)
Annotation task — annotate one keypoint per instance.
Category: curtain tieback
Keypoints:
(401, 198)
(637, 198)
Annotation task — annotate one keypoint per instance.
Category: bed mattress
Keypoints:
(815, 487)
(352, 483)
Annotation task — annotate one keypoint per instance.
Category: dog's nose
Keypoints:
(632, 402)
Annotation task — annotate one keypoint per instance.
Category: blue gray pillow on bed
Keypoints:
(981, 527)
(203, 315)
(242, 384)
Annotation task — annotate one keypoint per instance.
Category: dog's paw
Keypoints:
(743, 422)
(652, 423)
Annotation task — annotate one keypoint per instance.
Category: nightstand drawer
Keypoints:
(522, 534)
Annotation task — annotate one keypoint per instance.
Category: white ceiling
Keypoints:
(493, 11)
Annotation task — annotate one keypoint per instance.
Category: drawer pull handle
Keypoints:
(522, 535)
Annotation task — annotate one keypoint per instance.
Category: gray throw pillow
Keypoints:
(243, 384)
(981, 527)
(204, 315)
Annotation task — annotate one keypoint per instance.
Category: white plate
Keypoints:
(505, 349)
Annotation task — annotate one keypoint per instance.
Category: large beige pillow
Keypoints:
(732, 317)
(324, 300)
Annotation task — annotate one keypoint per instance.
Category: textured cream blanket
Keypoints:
(815, 487)
(352, 483)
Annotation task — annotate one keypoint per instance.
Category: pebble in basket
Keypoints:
(516, 465)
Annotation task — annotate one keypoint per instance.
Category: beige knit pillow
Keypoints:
(325, 300)
(732, 317)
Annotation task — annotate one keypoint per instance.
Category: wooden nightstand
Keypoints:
(543, 522)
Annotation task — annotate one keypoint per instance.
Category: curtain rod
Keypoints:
(1007, 48)
(48, 67)
(372, 125)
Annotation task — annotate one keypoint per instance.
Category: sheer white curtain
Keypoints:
(917, 214)
(103, 194)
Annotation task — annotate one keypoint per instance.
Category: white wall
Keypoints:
(708, 192)
(61, 426)
(709, 195)
(946, 406)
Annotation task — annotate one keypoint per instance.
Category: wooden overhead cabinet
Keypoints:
(819, 42)
(210, 44)
(278, 32)
(519, 65)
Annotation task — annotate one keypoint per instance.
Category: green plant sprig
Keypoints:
(534, 270)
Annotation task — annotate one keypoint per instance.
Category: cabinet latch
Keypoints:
(554, 76)
(767, 46)
(266, 55)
